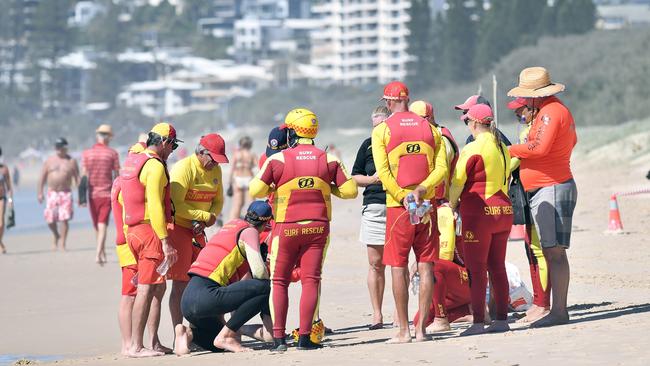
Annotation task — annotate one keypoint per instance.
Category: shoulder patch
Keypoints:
(546, 119)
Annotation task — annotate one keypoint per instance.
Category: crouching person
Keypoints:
(229, 275)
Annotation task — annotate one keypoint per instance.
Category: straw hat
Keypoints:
(105, 129)
(535, 82)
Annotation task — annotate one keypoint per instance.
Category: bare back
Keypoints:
(244, 163)
(61, 172)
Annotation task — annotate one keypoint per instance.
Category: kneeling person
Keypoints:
(229, 275)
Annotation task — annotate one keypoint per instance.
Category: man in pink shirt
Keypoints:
(99, 166)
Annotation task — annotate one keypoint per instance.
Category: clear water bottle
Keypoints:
(423, 208)
(415, 283)
(134, 280)
(459, 226)
(412, 208)
(163, 268)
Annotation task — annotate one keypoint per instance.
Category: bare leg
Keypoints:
(141, 307)
(124, 317)
(182, 338)
(153, 322)
(55, 231)
(237, 203)
(425, 297)
(560, 275)
(261, 332)
(229, 340)
(64, 234)
(400, 293)
(175, 302)
(101, 241)
(3, 204)
(376, 282)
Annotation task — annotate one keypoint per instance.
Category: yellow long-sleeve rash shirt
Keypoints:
(197, 193)
(155, 180)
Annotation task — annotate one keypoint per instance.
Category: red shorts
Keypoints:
(401, 236)
(181, 239)
(128, 288)
(100, 209)
(147, 249)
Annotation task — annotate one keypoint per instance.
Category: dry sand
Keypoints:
(64, 305)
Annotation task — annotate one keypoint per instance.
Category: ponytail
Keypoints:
(497, 136)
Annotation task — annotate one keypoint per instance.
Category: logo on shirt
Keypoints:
(546, 119)
(413, 148)
(306, 183)
(470, 237)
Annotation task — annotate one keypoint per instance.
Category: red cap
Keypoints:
(215, 146)
(396, 90)
(480, 113)
(517, 103)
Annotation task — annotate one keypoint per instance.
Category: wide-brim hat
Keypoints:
(535, 82)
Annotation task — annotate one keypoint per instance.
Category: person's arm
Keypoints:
(440, 168)
(41, 181)
(545, 133)
(380, 156)
(116, 164)
(233, 164)
(10, 190)
(459, 178)
(344, 186)
(260, 185)
(180, 182)
(75, 173)
(154, 178)
(359, 168)
(217, 201)
(249, 239)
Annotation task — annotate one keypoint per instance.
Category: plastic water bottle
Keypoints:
(163, 268)
(415, 284)
(412, 208)
(134, 280)
(459, 226)
(423, 208)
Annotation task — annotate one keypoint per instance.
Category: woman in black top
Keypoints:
(373, 219)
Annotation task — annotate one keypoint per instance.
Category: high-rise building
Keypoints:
(361, 41)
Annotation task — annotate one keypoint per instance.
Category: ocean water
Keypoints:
(29, 214)
(9, 359)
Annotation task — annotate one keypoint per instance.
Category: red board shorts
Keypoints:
(100, 209)
(147, 249)
(128, 288)
(181, 240)
(401, 236)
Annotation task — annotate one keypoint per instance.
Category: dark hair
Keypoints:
(154, 139)
(246, 142)
(0, 151)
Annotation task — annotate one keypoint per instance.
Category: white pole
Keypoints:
(494, 98)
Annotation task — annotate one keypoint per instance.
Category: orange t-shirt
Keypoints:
(545, 158)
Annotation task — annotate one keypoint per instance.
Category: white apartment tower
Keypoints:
(361, 41)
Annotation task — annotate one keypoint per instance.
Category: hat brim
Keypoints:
(221, 159)
(109, 133)
(462, 107)
(547, 91)
(514, 105)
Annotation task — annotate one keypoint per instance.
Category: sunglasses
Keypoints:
(206, 153)
(174, 143)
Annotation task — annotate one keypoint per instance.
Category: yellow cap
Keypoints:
(138, 147)
(165, 130)
(421, 108)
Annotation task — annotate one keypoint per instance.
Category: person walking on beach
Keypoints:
(304, 178)
(60, 172)
(243, 163)
(409, 156)
(6, 199)
(539, 274)
(547, 178)
(147, 211)
(373, 219)
(481, 182)
(229, 276)
(197, 193)
(99, 166)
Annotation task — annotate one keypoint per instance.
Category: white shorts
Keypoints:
(373, 224)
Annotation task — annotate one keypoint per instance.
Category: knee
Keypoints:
(555, 255)
(377, 266)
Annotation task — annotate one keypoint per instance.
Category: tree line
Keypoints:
(469, 37)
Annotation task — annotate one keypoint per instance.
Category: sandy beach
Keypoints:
(62, 307)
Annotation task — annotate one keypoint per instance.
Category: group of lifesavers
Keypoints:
(246, 268)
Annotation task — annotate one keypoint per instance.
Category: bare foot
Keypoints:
(534, 314)
(160, 348)
(230, 344)
(476, 328)
(3, 250)
(498, 326)
(143, 352)
(182, 340)
(256, 331)
(421, 337)
(400, 338)
(439, 325)
(465, 319)
(551, 319)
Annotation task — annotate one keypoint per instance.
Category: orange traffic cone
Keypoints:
(615, 225)
(517, 232)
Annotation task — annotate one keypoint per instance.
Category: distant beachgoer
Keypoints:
(197, 193)
(16, 175)
(60, 172)
(99, 166)
(332, 149)
(6, 199)
(373, 219)
(547, 178)
(229, 276)
(242, 165)
(144, 181)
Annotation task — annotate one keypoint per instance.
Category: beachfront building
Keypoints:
(159, 98)
(361, 41)
(618, 16)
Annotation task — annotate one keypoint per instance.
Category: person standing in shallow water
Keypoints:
(6, 199)
(60, 172)
(373, 219)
